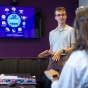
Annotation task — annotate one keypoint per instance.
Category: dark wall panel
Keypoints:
(33, 66)
(8, 65)
(26, 65)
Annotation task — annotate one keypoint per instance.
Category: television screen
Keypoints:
(20, 22)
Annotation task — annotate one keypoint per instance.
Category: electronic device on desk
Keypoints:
(20, 22)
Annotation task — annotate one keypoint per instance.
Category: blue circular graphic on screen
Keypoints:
(14, 20)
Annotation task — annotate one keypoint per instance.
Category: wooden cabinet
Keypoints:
(27, 65)
(8, 65)
(34, 66)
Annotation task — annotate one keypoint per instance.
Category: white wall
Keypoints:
(83, 2)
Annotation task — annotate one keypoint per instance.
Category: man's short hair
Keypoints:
(60, 9)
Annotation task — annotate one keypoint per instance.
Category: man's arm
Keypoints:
(68, 50)
(58, 53)
(45, 53)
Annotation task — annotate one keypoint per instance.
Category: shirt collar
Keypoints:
(65, 28)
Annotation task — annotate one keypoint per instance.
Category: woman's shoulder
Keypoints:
(79, 53)
(78, 58)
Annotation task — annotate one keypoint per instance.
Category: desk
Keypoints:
(29, 84)
(25, 86)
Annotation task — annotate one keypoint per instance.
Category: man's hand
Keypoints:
(57, 55)
(43, 54)
(50, 73)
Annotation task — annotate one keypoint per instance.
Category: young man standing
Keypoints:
(62, 41)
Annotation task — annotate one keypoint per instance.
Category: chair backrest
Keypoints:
(14, 85)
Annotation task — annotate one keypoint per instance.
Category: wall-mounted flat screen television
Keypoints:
(20, 22)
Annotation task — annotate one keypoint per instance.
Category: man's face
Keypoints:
(60, 16)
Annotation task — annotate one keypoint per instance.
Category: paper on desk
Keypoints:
(2, 76)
